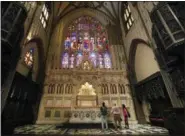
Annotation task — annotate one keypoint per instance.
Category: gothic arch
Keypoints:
(58, 34)
(132, 53)
(85, 11)
(140, 54)
(58, 88)
(37, 44)
(123, 89)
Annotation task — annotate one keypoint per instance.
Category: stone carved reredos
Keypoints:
(86, 89)
(77, 76)
(94, 77)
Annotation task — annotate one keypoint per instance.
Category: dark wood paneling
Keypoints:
(153, 91)
(22, 98)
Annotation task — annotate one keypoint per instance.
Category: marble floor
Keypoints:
(139, 129)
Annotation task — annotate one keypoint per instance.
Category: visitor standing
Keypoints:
(126, 115)
(116, 114)
(104, 113)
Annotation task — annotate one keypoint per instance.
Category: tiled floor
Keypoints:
(138, 129)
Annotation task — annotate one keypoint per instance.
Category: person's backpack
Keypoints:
(104, 110)
(128, 113)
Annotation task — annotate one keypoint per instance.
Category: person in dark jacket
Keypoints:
(103, 110)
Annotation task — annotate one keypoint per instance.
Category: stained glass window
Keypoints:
(72, 61)
(92, 57)
(86, 39)
(100, 59)
(107, 60)
(65, 60)
(79, 59)
(28, 58)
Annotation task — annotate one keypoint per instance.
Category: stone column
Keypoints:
(45, 89)
(127, 93)
(41, 112)
(110, 99)
(113, 56)
(64, 85)
(74, 94)
(56, 88)
(122, 57)
(65, 88)
(116, 55)
(146, 110)
(130, 104)
(119, 101)
(99, 95)
(119, 57)
(63, 95)
(132, 110)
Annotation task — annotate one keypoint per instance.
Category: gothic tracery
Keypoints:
(86, 38)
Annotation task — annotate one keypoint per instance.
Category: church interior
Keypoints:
(62, 59)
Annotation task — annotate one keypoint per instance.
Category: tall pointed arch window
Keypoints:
(86, 38)
(65, 60)
(92, 57)
(107, 60)
(28, 58)
(72, 58)
(44, 16)
(79, 59)
(127, 17)
(100, 60)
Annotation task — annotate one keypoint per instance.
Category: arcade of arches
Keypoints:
(75, 55)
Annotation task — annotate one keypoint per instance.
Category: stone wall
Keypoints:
(138, 30)
(62, 86)
(34, 29)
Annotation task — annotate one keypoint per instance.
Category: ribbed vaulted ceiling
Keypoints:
(110, 9)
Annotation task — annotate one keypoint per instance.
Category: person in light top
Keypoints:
(116, 114)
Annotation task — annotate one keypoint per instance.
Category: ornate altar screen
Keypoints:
(86, 96)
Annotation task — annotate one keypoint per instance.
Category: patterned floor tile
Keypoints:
(138, 129)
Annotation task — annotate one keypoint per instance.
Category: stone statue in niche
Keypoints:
(86, 65)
